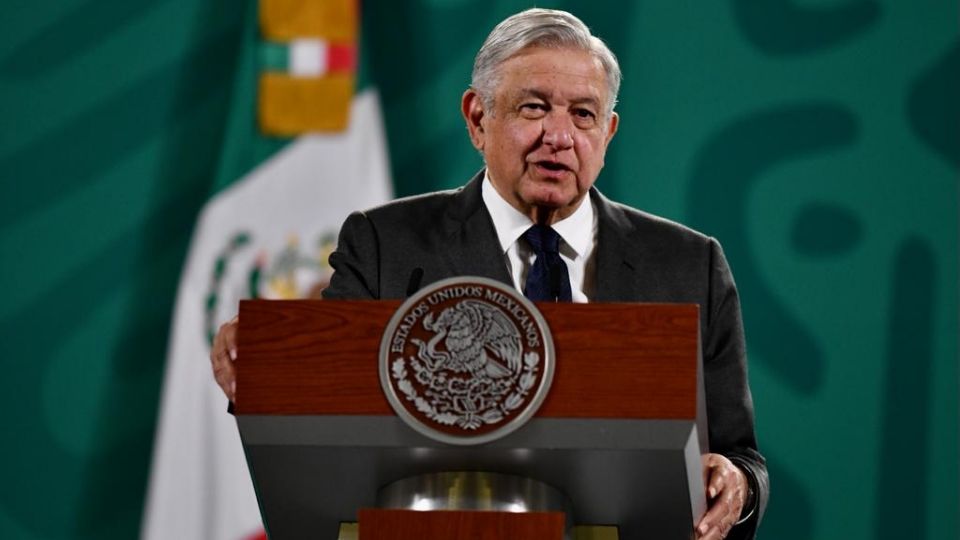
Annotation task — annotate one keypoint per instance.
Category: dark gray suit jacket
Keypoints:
(639, 258)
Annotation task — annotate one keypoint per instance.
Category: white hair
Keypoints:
(539, 28)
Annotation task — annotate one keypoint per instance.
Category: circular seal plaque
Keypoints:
(466, 360)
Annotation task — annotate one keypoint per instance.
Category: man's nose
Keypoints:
(557, 131)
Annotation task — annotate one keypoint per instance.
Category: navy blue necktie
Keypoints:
(548, 279)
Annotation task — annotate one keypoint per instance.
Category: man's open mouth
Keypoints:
(552, 165)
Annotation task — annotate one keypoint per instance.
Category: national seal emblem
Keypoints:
(466, 360)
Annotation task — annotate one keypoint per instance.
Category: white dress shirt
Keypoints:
(578, 234)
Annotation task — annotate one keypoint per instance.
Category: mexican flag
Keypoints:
(305, 146)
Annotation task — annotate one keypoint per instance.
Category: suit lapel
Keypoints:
(618, 255)
(472, 246)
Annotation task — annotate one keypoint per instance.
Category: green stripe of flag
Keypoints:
(274, 56)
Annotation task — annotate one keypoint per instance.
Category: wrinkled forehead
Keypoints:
(552, 73)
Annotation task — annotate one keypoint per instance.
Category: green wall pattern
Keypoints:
(113, 115)
(819, 140)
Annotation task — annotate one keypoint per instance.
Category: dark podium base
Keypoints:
(315, 472)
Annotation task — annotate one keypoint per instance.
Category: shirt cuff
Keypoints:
(750, 505)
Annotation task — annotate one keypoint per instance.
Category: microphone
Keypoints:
(413, 285)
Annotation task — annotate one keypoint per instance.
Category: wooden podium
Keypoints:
(621, 432)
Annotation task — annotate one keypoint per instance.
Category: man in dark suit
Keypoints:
(540, 111)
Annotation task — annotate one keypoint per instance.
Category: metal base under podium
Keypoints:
(472, 490)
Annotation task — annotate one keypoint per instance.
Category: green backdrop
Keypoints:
(819, 140)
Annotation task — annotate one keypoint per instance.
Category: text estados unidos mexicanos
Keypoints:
(516, 310)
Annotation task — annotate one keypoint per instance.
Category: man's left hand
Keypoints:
(726, 494)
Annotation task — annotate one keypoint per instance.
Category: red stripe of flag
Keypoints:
(341, 57)
(262, 535)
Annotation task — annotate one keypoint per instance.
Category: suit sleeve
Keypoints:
(729, 403)
(355, 262)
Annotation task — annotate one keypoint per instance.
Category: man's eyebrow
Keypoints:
(545, 96)
(586, 101)
(533, 92)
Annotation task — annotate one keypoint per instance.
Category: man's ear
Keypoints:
(471, 106)
(612, 126)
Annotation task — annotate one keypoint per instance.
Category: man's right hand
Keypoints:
(222, 356)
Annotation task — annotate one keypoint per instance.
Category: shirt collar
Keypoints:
(510, 224)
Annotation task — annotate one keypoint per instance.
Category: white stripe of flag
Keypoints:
(307, 57)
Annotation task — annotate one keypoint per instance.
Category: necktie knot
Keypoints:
(543, 239)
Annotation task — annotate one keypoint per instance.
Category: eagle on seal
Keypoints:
(478, 338)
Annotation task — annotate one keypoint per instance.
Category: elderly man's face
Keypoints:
(545, 140)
